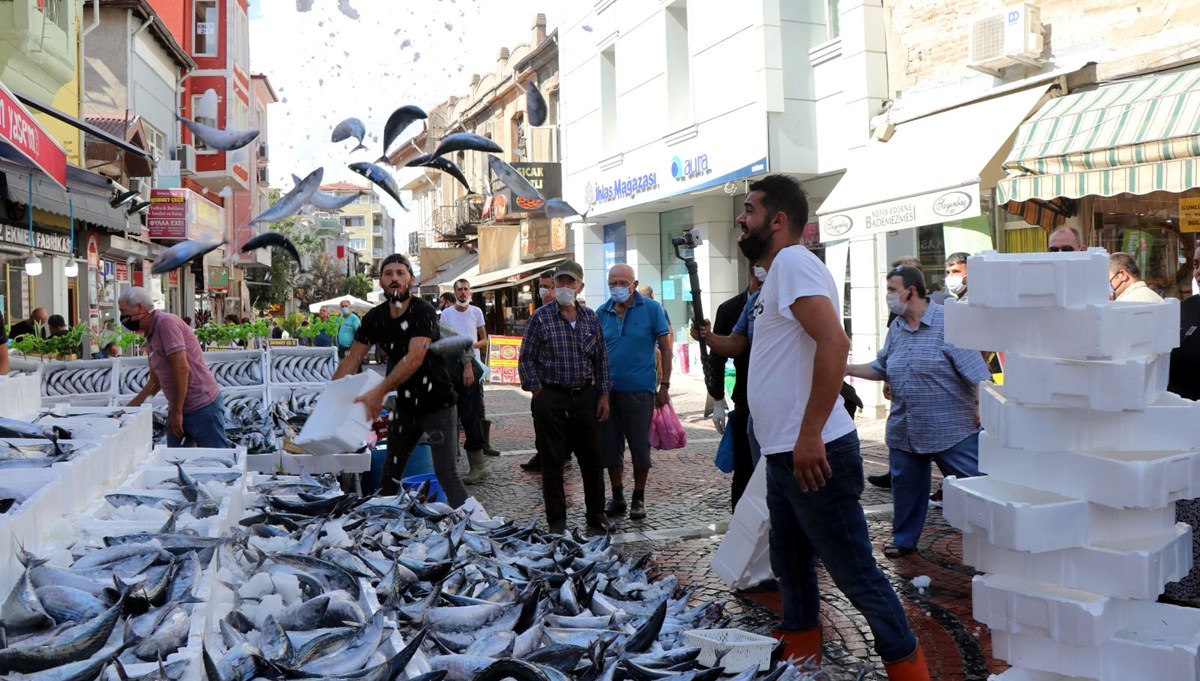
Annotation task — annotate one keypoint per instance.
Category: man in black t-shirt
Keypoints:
(402, 328)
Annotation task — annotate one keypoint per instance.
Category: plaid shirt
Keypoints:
(555, 353)
(933, 385)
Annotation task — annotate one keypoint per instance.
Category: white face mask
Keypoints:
(564, 296)
(895, 306)
(464, 304)
(543, 292)
(956, 284)
(760, 273)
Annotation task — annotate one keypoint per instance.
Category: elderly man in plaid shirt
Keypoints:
(935, 403)
(564, 364)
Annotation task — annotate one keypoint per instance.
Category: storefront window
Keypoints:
(675, 291)
(1149, 228)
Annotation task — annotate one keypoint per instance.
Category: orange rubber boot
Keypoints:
(911, 668)
(801, 645)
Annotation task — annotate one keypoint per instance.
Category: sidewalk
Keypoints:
(688, 511)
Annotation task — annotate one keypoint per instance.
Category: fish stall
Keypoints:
(132, 560)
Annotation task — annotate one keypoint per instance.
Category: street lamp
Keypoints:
(33, 266)
(71, 269)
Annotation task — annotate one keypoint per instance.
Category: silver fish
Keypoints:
(182, 253)
(351, 128)
(355, 656)
(557, 208)
(513, 179)
(328, 202)
(222, 140)
(291, 203)
(381, 178)
(68, 604)
(169, 634)
(22, 609)
(443, 164)
(75, 644)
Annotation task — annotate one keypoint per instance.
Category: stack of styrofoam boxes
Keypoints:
(21, 395)
(1085, 456)
(287, 375)
(131, 376)
(79, 383)
(337, 427)
(744, 557)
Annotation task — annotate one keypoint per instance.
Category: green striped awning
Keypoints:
(1137, 136)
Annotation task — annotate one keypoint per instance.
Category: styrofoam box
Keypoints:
(211, 359)
(1134, 568)
(1115, 331)
(1026, 519)
(338, 424)
(263, 463)
(1066, 616)
(1022, 674)
(165, 456)
(80, 478)
(79, 400)
(325, 463)
(124, 365)
(1147, 479)
(26, 525)
(274, 355)
(105, 366)
(20, 396)
(138, 422)
(744, 557)
(1104, 386)
(1159, 643)
(742, 649)
(1162, 426)
(1025, 280)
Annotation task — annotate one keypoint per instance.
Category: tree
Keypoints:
(274, 286)
(324, 280)
(359, 286)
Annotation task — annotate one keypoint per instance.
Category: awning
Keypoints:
(512, 275)
(930, 171)
(464, 266)
(1137, 136)
(89, 193)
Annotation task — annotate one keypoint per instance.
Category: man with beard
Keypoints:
(403, 326)
(197, 410)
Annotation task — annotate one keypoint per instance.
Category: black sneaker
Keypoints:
(637, 510)
(615, 508)
(882, 481)
(533, 465)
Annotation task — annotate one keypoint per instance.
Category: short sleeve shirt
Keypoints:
(429, 388)
(464, 322)
(745, 322)
(630, 342)
(168, 334)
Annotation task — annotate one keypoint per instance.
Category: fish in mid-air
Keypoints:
(274, 240)
(221, 140)
(351, 128)
(462, 141)
(293, 201)
(381, 178)
(182, 253)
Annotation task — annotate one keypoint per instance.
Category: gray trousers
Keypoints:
(628, 421)
(403, 434)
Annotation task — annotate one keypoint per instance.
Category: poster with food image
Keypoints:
(504, 354)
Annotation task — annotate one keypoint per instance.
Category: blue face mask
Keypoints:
(621, 295)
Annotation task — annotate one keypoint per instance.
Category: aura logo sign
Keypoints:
(689, 169)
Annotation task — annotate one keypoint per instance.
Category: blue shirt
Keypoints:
(933, 385)
(347, 330)
(745, 322)
(631, 342)
(556, 352)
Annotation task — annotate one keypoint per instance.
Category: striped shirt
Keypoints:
(933, 385)
(555, 352)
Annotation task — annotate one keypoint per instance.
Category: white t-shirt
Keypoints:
(466, 322)
(781, 358)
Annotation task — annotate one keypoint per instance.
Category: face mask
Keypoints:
(564, 296)
(620, 294)
(956, 284)
(345, 312)
(464, 304)
(754, 244)
(543, 292)
(127, 322)
(895, 306)
(760, 273)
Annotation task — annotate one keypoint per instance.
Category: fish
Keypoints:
(397, 123)
(221, 140)
(68, 604)
(73, 645)
(443, 164)
(22, 609)
(328, 202)
(274, 240)
(514, 180)
(535, 105)
(462, 141)
(557, 208)
(347, 129)
(453, 345)
(182, 253)
(10, 498)
(15, 428)
(291, 203)
(381, 178)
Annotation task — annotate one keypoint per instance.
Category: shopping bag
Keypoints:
(666, 432)
(724, 459)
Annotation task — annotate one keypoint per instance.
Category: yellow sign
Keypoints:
(504, 354)
(1189, 215)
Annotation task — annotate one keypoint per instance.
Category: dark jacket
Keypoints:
(727, 316)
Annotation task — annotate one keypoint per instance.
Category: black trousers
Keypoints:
(470, 414)
(743, 461)
(565, 421)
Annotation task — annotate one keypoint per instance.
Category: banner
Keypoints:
(504, 353)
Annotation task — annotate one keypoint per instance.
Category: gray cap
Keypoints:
(569, 268)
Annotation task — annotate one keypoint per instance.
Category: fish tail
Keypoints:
(381, 159)
(360, 145)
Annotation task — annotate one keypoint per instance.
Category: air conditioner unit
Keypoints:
(264, 176)
(186, 155)
(1011, 36)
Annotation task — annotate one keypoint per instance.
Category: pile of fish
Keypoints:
(303, 368)
(253, 423)
(71, 379)
(133, 378)
(25, 454)
(237, 373)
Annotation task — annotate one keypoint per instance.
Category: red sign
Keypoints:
(20, 129)
(168, 217)
(122, 272)
(138, 280)
(93, 251)
(173, 278)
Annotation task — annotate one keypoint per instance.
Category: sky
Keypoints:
(326, 66)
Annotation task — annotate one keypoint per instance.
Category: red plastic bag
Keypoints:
(666, 432)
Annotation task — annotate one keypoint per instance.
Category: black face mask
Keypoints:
(754, 244)
(127, 322)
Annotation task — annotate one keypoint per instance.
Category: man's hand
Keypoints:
(718, 416)
(136, 401)
(887, 391)
(175, 423)
(809, 464)
(468, 375)
(662, 397)
(978, 423)
(700, 331)
(602, 409)
(373, 401)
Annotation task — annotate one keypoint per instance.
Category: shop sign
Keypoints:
(927, 209)
(93, 250)
(686, 169)
(283, 342)
(1189, 215)
(541, 237)
(173, 278)
(168, 214)
(43, 240)
(23, 132)
(218, 278)
(122, 272)
(504, 355)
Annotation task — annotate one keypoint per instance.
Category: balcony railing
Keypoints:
(456, 223)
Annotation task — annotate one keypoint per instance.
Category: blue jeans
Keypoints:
(203, 427)
(910, 484)
(829, 525)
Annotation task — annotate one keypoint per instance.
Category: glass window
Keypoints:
(1148, 228)
(832, 29)
(358, 244)
(674, 292)
(353, 221)
(201, 147)
(206, 36)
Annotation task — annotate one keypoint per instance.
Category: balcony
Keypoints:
(378, 253)
(456, 223)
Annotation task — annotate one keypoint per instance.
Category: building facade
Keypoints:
(366, 222)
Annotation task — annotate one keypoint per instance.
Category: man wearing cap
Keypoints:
(564, 364)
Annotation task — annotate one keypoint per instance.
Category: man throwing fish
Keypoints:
(403, 326)
(197, 410)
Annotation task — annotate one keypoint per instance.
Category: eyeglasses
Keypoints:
(1064, 249)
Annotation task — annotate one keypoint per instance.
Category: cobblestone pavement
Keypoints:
(688, 510)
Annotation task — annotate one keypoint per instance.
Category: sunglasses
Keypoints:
(1064, 249)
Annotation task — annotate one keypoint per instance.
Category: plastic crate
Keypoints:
(337, 423)
(742, 649)
(300, 365)
(435, 489)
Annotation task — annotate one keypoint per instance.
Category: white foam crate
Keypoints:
(20, 396)
(742, 649)
(212, 359)
(1025, 280)
(337, 424)
(1052, 429)
(1133, 568)
(276, 356)
(26, 525)
(165, 456)
(1026, 519)
(1103, 386)
(131, 436)
(53, 386)
(126, 365)
(1019, 674)
(263, 463)
(1068, 617)
(325, 463)
(1147, 479)
(79, 401)
(1159, 643)
(1114, 331)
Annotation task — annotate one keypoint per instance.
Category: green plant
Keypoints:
(359, 286)
(292, 323)
(316, 327)
(65, 344)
